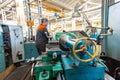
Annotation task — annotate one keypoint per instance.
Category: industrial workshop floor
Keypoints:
(20, 73)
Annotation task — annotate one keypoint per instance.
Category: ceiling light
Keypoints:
(76, 14)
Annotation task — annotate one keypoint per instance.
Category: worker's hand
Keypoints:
(46, 34)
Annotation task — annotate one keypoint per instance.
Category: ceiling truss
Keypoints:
(55, 5)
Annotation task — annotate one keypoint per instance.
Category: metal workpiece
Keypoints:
(64, 39)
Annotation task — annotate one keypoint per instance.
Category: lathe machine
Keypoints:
(70, 58)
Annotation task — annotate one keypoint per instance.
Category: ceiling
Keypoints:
(52, 6)
(68, 5)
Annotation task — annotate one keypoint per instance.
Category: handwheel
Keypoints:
(84, 49)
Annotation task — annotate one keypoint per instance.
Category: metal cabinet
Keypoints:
(2, 55)
(17, 43)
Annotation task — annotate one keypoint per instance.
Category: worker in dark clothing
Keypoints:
(41, 36)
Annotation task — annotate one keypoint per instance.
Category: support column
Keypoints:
(21, 15)
(73, 24)
(30, 22)
(105, 13)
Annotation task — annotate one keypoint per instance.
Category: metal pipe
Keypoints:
(110, 32)
(93, 9)
(103, 28)
(66, 41)
(104, 19)
(106, 29)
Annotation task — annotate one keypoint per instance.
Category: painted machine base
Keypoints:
(82, 72)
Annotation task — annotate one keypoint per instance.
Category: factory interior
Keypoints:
(59, 39)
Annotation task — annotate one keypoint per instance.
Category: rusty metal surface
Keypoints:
(20, 73)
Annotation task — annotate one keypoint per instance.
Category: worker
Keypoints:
(42, 36)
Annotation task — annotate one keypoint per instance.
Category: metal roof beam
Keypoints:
(93, 3)
(84, 4)
(92, 9)
(5, 3)
(58, 4)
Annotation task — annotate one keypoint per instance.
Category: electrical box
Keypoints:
(11, 45)
(17, 43)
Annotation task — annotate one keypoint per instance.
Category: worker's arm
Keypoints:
(47, 34)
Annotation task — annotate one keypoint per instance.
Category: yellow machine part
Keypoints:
(95, 54)
(30, 23)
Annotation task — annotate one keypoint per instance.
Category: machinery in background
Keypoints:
(74, 56)
(12, 45)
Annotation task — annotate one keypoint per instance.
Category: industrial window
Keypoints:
(117, 1)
